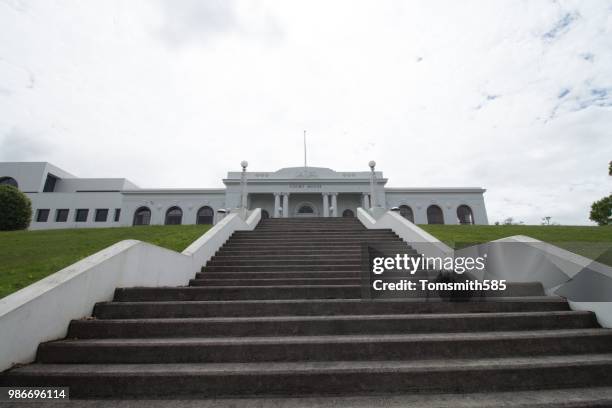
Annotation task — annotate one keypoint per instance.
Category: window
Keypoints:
(174, 216)
(264, 214)
(101, 214)
(406, 212)
(8, 181)
(81, 215)
(205, 215)
(348, 213)
(61, 215)
(142, 216)
(42, 215)
(50, 183)
(434, 215)
(465, 215)
(117, 214)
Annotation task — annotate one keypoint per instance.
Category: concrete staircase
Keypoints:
(278, 311)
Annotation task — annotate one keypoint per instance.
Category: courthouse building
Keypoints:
(62, 200)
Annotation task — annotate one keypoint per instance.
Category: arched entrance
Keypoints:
(306, 209)
(348, 213)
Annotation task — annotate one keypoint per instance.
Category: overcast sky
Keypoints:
(512, 96)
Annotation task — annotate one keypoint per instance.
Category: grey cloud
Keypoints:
(562, 26)
(199, 22)
(588, 56)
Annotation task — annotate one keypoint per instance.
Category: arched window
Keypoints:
(264, 214)
(406, 212)
(142, 216)
(348, 213)
(205, 215)
(305, 209)
(174, 216)
(8, 181)
(465, 215)
(434, 215)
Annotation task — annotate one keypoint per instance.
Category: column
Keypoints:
(325, 205)
(276, 205)
(285, 205)
(365, 201)
(334, 204)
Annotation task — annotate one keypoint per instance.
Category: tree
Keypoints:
(601, 211)
(15, 209)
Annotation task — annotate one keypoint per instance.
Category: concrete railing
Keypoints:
(42, 311)
(586, 284)
(418, 238)
(518, 259)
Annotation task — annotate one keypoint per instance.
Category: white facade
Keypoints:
(288, 192)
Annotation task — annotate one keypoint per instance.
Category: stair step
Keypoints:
(343, 266)
(328, 325)
(275, 282)
(239, 292)
(298, 240)
(327, 348)
(157, 307)
(228, 252)
(319, 378)
(276, 275)
(255, 261)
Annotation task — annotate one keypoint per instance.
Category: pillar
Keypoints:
(365, 200)
(276, 205)
(325, 205)
(334, 197)
(285, 205)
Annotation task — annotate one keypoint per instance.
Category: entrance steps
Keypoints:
(278, 311)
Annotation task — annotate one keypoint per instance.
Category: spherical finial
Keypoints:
(372, 164)
(244, 164)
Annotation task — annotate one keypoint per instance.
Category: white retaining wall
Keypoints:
(418, 238)
(42, 311)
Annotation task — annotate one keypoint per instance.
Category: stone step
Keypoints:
(276, 275)
(312, 234)
(161, 308)
(281, 258)
(319, 378)
(287, 261)
(312, 237)
(275, 282)
(287, 252)
(239, 292)
(327, 348)
(321, 240)
(314, 246)
(310, 228)
(329, 325)
(343, 266)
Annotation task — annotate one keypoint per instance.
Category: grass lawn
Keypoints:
(592, 242)
(28, 256)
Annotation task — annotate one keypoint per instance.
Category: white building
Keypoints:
(62, 200)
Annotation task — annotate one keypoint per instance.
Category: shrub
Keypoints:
(15, 209)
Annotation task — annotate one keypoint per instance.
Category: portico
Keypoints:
(305, 191)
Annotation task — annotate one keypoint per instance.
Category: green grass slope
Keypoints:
(28, 256)
(592, 242)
